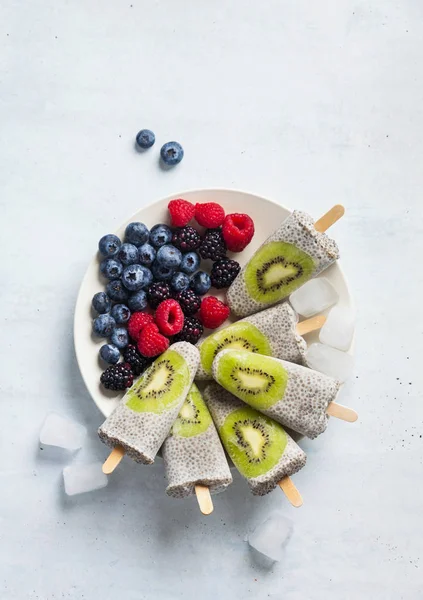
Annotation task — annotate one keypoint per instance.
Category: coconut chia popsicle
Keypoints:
(293, 395)
(259, 447)
(142, 420)
(272, 332)
(292, 255)
(193, 453)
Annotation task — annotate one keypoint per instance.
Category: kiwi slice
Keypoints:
(161, 386)
(258, 380)
(194, 417)
(254, 442)
(276, 270)
(239, 336)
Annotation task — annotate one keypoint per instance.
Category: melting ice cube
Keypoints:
(270, 537)
(330, 361)
(84, 478)
(62, 432)
(313, 297)
(338, 330)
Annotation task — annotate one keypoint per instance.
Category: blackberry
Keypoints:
(224, 272)
(117, 377)
(157, 292)
(186, 238)
(213, 245)
(136, 361)
(191, 331)
(189, 302)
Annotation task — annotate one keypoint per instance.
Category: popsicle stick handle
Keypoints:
(204, 499)
(288, 487)
(332, 216)
(342, 412)
(311, 324)
(113, 460)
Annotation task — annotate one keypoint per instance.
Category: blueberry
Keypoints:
(120, 313)
(160, 235)
(171, 153)
(179, 282)
(200, 283)
(147, 277)
(145, 138)
(161, 273)
(109, 245)
(116, 291)
(110, 354)
(128, 254)
(138, 301)
(136, 233)
(119, 337)
(103, 325)
(133, 278)
(190, 262)
(111, 268)
(169, 256)
(146, 254)
(101, 303)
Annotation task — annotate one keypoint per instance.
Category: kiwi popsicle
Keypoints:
(296, 252)
(192, 452)
(259, 447)
(293, 395)
(143, 418)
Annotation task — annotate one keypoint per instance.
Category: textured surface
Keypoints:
(303, 102)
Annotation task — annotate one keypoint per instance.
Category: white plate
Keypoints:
(267, 216)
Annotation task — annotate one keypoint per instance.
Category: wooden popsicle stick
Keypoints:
(113, 460)
(288, 487)
(311, 324)
(328, 219)
(342, 412)
(204, 499)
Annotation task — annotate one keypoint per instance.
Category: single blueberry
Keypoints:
(111, 268)
(103, 325)
(120, 313)
(179, 282)
(160, 235)
(128, 254)
(171, 153)
(116, 291)
(138, 301)
(101, 303)
(110, 354)
(133, 278)
(146, 254)
(161, 273)
(119, 337)
(169, 256)
(145, 138)
(136, 233)
(200, 283)
(147, 277)
(190, 262)
(109, 245)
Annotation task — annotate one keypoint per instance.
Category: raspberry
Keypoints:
(137, 362)
(169, 317)
(238, 231)
(189, 302)
(209, 214)
(191, 331)
(151, 342)
(213, 245)
(224, 272)
(117, 377)
(213, 312)
(186, 238)
(181, 212)
(157, 292)
(137, 322)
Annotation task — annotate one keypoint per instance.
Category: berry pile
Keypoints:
(155, 288)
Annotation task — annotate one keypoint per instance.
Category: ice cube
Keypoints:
(313, 297)
(84, 478)
(62, 432)
(338, 330)
(330, 361)
(270, 537)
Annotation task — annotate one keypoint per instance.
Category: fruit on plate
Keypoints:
(213, 245)
(181, 212)
(213, 312)
(223, 272)
(191, 331)
(136, 233)
(109, 245)
(101, 303)
(209, 214)
(117, 377)
(151, 342)
(169, 317)
(238, 231)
